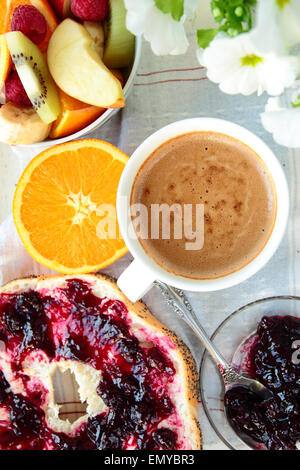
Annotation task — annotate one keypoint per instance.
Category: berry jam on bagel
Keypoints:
(137, 378)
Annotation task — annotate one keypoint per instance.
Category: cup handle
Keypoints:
(135, 281)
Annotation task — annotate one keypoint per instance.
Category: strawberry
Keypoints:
(90, 10)
(14, 90)
(28, 20)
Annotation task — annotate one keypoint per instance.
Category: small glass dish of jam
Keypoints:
(262, 340)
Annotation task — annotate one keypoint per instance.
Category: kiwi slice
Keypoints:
(34, 75)
(120, 43)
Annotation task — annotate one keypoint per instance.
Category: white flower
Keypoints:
(166, 35)
(240, 67)
(278, 21)
(282, 122)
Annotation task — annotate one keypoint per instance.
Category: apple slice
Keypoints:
(78, 69)
(97, 32)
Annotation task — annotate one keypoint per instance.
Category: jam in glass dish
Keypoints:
(272, 361)
(261, 340)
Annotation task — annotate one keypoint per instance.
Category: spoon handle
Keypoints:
(183, 308)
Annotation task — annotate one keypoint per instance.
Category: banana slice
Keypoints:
(97, 32)
(21, 126)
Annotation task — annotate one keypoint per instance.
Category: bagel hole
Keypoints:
(66, 395)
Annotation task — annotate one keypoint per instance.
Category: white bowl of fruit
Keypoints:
(66, 66)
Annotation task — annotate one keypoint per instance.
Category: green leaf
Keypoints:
(235, 3)
(205, 36)
(233, 16)
(175, 7)
(218, 11)
(296, 103)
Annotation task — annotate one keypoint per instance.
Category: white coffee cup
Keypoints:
(139, 277)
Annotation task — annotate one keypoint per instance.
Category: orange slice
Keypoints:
(74, 116)
(58, 206)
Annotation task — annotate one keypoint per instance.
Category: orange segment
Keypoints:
(74, 116)
(5, 61)
(57, 206)
(7, 8)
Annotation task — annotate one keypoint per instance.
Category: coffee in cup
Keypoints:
(240, 197)
(231, 183)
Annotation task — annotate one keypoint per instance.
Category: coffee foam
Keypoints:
(236, 189)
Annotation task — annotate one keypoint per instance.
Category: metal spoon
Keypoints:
(230, 375)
